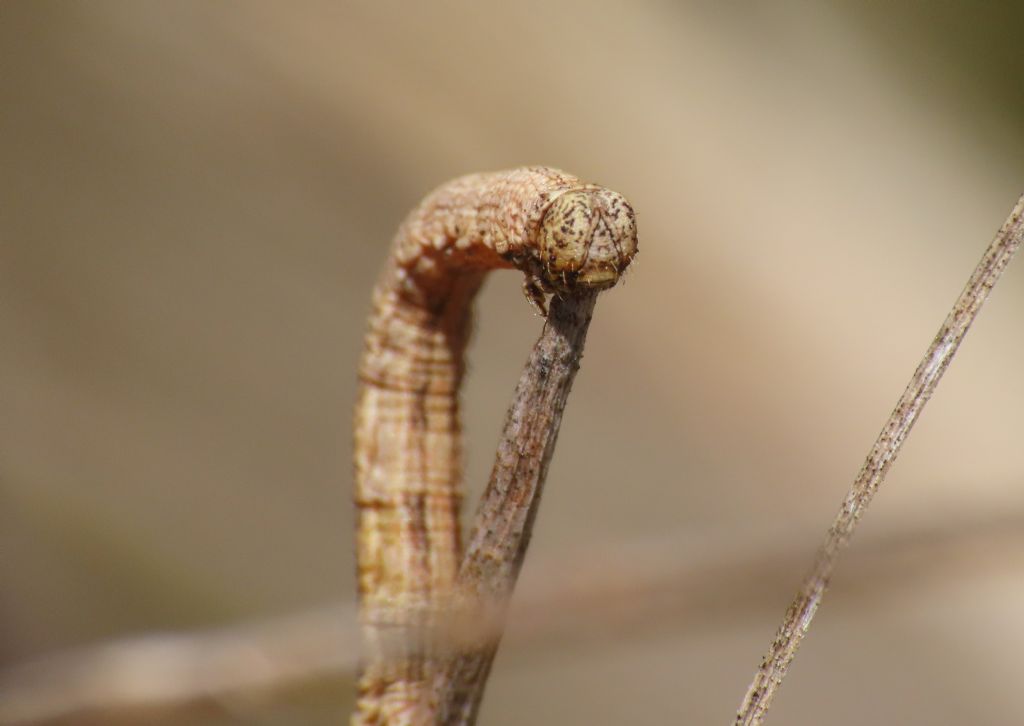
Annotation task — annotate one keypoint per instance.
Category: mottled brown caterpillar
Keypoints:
(565, 236)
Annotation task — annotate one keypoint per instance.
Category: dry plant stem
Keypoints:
(504, 521)
(883, 453)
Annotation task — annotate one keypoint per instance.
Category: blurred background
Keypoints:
(195, 199)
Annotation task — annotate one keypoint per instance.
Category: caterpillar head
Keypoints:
(587, 239)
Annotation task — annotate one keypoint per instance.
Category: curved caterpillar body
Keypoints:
(564, 235)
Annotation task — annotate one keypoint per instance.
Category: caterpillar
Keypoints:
(565, 236)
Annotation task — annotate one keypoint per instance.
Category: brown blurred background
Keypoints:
(195, 198)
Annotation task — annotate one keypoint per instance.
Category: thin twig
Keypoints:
(882, 455)
(504, 521)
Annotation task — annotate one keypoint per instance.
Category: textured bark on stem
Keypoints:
(504, 521)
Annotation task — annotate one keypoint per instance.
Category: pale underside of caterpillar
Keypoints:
(565, 236)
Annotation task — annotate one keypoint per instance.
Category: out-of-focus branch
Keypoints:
(164, 669)
(880, 458)
(647, 584)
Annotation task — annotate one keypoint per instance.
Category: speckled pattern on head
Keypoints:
(564, 235)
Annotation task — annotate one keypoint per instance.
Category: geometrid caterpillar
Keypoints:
(565, 236)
